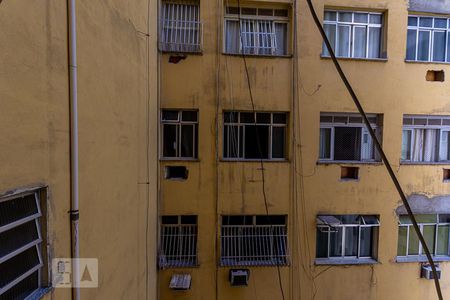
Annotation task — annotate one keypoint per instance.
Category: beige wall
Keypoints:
(117, 131)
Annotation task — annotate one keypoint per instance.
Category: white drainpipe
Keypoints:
(73, 90)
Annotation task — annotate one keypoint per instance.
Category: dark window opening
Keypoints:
(433, 75)
(177, 172)
(179, 133)
(446, 174)
(347, 143)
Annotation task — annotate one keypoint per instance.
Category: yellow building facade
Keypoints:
(309, 181)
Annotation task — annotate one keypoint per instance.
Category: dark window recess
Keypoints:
(446, 174)
(177, 172)
(347, 143)
(179, 133)
(433, 75)
(349, 172)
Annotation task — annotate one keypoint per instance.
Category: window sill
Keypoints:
(348, 162)
(411, 259)
(426, 62)
(175, 159)
(345, 261)
(258, 55)
(226, 160)
(428, 163)
(40, 293)
(356, 58)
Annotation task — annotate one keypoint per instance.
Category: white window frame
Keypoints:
(328, 228)
(421, 254)
(241, 139)
(178, 123)
(431, 31)
(411, 128)
(256, 19)
(34, 244)
(333, 125)
(352, 24)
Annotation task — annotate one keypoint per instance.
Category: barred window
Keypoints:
(178, 246)
(181, 29)
(258, 31)
(435, 230)
(254, 241)
(249, 135)
(21, 260)
(428, 39)
(344, 137)
(180, 131)
(426, 138)
(354, 34)
(342, 238)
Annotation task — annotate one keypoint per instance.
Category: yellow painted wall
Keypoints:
(117, 131)
(213, 82)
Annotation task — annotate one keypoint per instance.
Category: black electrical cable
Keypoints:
(258, 142)
(379, 148)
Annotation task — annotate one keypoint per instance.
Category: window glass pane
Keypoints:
(361, 18)
(325, 143)
(376, 19)
(230, 144)
(366, 242)
(413, 247)
(189, 116)
(374, 42)
(248, 118)
(429, 234)
(336, 242)
(370, 220)
(412, 21)
(230, 117)
(345, 16)
(440, 23)
(426, 218)
(402, 240)
(169, 140)
(281, 38)
(351, 241)
(406, 145)
(360, 39)
(349, 219)
(411, 44)
(265, 34)
(448, 46)
(347, 143)
(444, 153)
(425, 22)
(442, 242)
(279, 118)
(256, 142)
(322, 243)
(232, 40)
(187, 140)
(330, 16)
(343, 47)
(424, 45)
(278, 142)
(330, 31)
(431, 145)
(263, 118)
(170, 115)
(439, 46)
(444, 218)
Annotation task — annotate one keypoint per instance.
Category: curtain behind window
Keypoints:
(232, 37)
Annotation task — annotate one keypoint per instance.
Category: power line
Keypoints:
(379, 148)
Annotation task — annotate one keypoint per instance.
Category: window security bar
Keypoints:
(181, 30)
(254, 245)
(178, 246)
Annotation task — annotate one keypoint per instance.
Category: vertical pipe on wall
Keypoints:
(73, 98)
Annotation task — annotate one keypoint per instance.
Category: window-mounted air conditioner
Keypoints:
(239, 277)
(180, 282)
(427, 273)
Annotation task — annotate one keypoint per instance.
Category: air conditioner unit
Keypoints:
(180, 282)
(239, 277)
(427, 273)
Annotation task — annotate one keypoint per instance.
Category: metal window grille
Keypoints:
(254, 245)
(181, 29)
(347, 236)
(425, 138)
(178, 243)
(179, 134)
(428, 39)
(344, 137)
(20, 246)
(249, 135)
(434, 227)
(354, 34)
(257, 31)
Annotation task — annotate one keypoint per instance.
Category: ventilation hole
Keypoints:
(174, 59)
(447, 175)
(349, 172)
(433, 75)
(177, 172)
